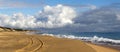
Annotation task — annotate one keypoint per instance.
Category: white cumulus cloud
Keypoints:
(49, 17)
(118, 16)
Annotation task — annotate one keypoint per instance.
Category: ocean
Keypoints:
(106, 38)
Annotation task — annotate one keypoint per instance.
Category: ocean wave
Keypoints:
(94, 39)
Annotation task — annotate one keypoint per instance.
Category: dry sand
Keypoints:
(22, 42)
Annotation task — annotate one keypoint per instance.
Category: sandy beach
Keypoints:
(25, 42)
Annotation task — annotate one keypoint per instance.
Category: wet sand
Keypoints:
(24, 42)
(101, 48)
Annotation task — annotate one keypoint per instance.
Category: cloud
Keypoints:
(17, 20)
(85, 6)
(118, 16)
(65, 18)
(93, 7)
(89, 6)
(21, 4)
(49, 17)
(104, 19)
(58, 15)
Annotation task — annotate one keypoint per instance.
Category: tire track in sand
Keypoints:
(35, 44)
(40, 46)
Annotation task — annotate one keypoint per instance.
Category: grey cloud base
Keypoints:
(104, 19)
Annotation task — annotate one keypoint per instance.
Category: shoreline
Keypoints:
(101, 48)
(41, 43)
(111, 48)
(105, 45)
(108, 47)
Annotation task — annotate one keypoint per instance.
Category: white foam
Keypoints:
(94, 39)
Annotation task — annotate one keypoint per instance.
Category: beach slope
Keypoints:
(26, 42)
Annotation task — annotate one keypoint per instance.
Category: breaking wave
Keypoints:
(94, 39)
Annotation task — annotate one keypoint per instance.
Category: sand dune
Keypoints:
(22, 42)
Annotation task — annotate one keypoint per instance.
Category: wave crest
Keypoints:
(94, 39)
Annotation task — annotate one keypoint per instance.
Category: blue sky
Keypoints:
(81, 2)
(31, 7)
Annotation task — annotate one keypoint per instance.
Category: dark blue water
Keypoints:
(111, 38)
(110, 35)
